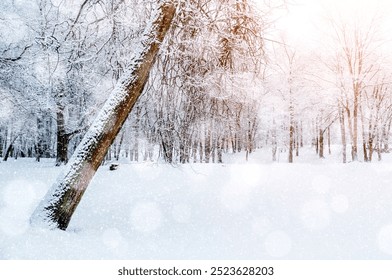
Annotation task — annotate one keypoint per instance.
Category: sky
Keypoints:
(305, 22)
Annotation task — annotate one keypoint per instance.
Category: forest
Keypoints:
(223, 82)
(206, 129)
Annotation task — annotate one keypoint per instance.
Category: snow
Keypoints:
(277, 244)
(146, 217)
(315, 214)
(312, 209)
(340, 204)
(385, 239)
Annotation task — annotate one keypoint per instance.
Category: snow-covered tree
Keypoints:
(59, 204)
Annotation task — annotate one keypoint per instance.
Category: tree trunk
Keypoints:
(182, 150)
(371, 150)
(365, 151)
(274, 141)
(343, 135)
(62, 138)
(354, 146)
(379, 148)
(10, 149)
(8, 152)
(137, 129)
(220, 150)
(56, 209)
(291, 143)
(118, 151)
(385, 136)
(207, 145)
(291, 133)
(201, 151)
(38, 146)
(194, 151)
(321, 143)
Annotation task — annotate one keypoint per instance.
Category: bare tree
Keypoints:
(356, 70)
(56, 209)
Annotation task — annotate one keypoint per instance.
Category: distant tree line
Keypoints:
(219, 84)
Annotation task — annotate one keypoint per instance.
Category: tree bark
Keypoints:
(207, 145)
(354, 146)
(343, 135)
(321, 143)
(62, 138)
(56, 209)
(10, 149)
(220, 149)
(274, 140)
(8, 152)
(365, 151)
(385, 136)
(291, 132)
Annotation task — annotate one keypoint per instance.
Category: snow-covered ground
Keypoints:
(313, 209)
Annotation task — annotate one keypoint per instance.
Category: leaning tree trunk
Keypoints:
(56, 209)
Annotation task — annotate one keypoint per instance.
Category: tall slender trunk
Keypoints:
(385, 136)
(194, 151)
(201, 152)
(321, 143)
(221, 142)
(274, 140)
(40, 139)
(371, 149)
(8, 152)
(291, 132)
(354, 146)
(365, 151)
(343, 134)
(207, 145)
(119, 146)
(379, 143)
(62, 138)
(291, 143)
(351, 133)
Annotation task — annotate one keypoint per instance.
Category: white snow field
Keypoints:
(321, 209)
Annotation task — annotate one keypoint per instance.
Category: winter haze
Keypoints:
(257, 129)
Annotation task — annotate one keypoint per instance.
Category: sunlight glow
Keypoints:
(305, 22)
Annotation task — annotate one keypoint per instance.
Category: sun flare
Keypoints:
(306, 21)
